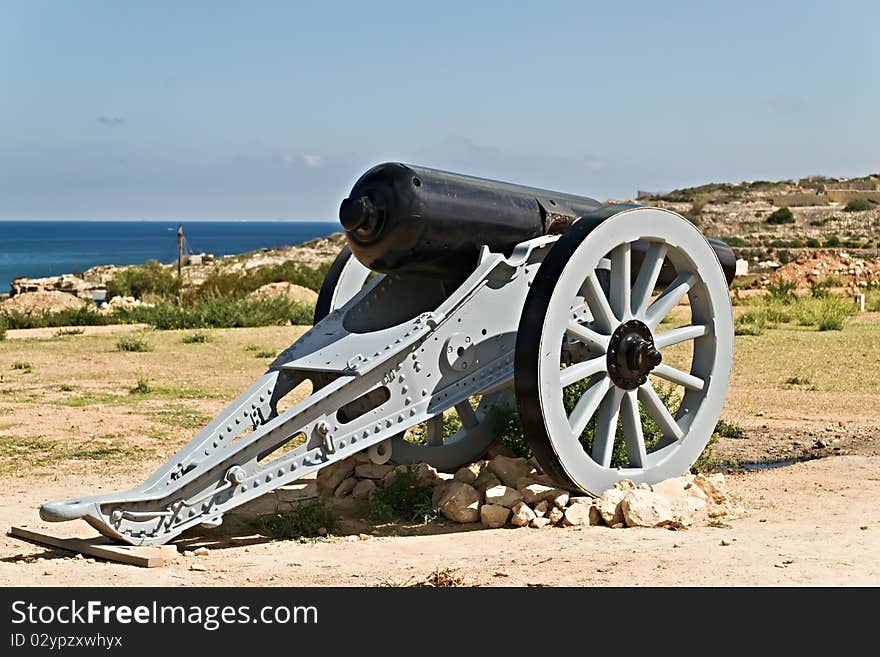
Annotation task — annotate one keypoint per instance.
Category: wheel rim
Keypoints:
(449, 450)
(580, 319)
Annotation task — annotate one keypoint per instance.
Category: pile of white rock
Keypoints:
(506, 490)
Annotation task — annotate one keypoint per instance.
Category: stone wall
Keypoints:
(844, 195)
(799, 199)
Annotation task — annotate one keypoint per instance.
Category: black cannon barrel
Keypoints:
(400, 217)
(404, 217)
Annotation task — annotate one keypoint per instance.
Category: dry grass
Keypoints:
(439, 578)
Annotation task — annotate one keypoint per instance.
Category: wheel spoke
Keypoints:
(632, 430)
(579, 371)
(598, 302)
(466, 414)
(678, 377)
(435, 431)
(606, 427)
(647, 278)
(594, 341)
(669, 338)
(658, 411)
(621, 281)
(669, 299)
(587, 405)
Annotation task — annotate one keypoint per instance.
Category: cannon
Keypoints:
(460, 297)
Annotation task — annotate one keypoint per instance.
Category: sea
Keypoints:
(48, 248)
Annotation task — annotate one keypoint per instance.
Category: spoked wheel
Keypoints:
(445, 442)
(598, 396)
(450, 441)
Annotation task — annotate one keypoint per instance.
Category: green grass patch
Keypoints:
(799, 381)
(133, 343)
(68, 331)
(20, 454)
(181, 417)
(135, 396)
(302, 520)
(403, 499)
(199, 337)
(93, 398)
(727, 429)
(825, 311)
(142, 387)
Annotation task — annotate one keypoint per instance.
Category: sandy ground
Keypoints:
(50, 332)
(72, 424)
(815, 523)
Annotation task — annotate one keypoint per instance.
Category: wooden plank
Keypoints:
(147, 556)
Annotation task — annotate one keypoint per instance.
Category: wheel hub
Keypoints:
(632, 355)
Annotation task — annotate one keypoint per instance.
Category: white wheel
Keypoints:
(597, 395)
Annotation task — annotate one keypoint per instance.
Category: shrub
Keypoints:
(729, 429)
(238, 284)
(705, 462)
(403, 499)
(750, 323)
(827, 313)
(82, 316)
(734, 241)
(22, 365)
(858, 205)
(143, 386)
(220, 312)
(819, 289)
(2, 329)
(813, 243)
(150, 278)
(782, 290)
(832, 241)
(780, 216)
(303, 520)
(802, 381)
(199, 337)
(70, 330)
(133, 343)
(510, 434)
(777, 311)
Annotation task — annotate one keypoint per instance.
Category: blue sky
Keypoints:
(271, 110)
